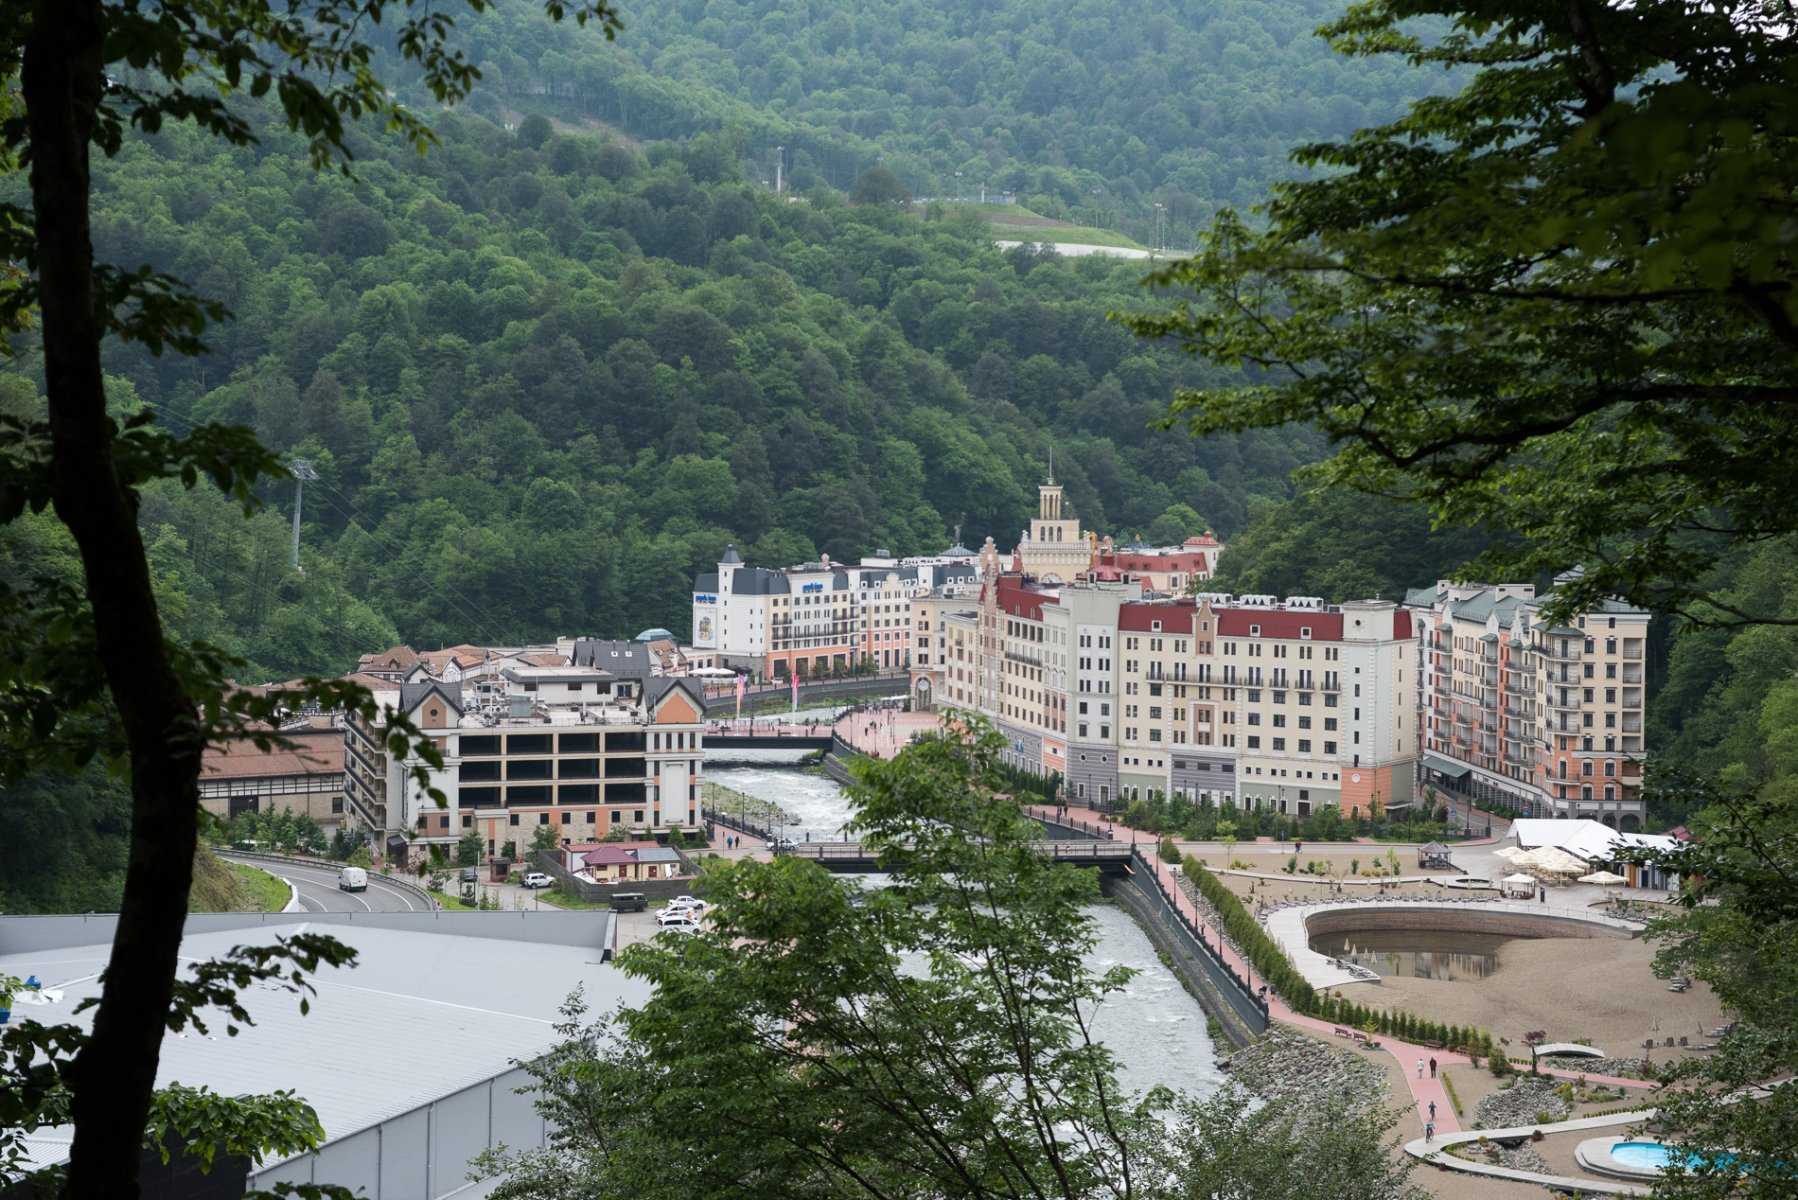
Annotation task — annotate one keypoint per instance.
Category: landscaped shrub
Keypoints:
(1264, 954)
(1169, 852)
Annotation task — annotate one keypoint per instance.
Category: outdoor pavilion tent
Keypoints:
(1548, 860)
(1518, 885)
(1510, 853)
(1603, 879)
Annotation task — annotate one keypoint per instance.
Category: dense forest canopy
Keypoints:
(1092, 111)
(544, 377)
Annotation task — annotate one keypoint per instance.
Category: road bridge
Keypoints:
(854, 857)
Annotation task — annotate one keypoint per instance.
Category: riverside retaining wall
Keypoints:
(1222, 998)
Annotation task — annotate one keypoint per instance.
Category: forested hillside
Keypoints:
(1093, 110)
(544, 377)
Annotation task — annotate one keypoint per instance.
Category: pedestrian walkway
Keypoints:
(1423, 1090)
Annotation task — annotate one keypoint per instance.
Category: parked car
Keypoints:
(686, 902)
(352, 879)
(629, 902)
(684, 918)
(471, 875)
(782, 845)
(537, 879)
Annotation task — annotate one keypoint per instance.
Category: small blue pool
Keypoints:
(1645, 1156)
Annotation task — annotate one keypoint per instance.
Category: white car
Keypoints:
(537, 879)
(684, 919)
(684, 903)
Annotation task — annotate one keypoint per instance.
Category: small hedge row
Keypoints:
(1263, 953)
(1271, 962)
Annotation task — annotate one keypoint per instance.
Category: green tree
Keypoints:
(1595, 233)
(544, 837)
(90, 75)
(469, 849)
(878, 185)
(929, 1038)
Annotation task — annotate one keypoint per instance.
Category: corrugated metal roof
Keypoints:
(420, 1015)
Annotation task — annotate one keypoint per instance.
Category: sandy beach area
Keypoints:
(1596, 989)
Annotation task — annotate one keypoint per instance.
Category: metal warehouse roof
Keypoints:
(420, 1015)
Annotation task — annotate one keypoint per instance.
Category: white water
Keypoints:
(1156, 1030)
(817, 804)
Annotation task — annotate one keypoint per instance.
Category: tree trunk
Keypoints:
(114, 1074)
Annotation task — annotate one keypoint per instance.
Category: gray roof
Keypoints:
(657, 686)
(485, 999)
(656, 854)
(413, 694)
(731, 555)
(1421, 597)
(706, 581)
(1482, 605)
(759, 581)
(629, 659)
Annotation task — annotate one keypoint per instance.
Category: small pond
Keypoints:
(1419, 953)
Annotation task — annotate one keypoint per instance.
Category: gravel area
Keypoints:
(1290, 1067)
(1519, 1104)
(1522, 1158)
(1622, 1068)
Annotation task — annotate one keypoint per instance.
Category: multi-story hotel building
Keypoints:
(571, 747)
(1544, 719)
(816, 617)
(1282, 705)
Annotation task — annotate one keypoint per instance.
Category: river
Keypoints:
(1154, 1027)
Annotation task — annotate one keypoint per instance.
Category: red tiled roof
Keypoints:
(1324, 626)
(1186, 561)
(315, 752)
(395, 658)
(1141, 618)
(1019, 599)
(1401, 624)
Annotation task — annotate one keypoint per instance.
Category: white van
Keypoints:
(352, 879)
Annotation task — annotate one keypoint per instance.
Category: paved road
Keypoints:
(319, 892)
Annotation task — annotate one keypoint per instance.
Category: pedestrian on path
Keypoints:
(1432, 1067)
(1429, 1132)
(1420, 1067)
(1432, 1110)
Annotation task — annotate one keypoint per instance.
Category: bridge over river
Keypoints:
(854, 857)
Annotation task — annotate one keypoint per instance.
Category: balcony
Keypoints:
(1632, 724)
(1632, 673)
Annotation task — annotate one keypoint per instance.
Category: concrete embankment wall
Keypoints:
(1468, 919)
(1241, 1019)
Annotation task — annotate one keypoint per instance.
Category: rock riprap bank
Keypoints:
(1311, 1076)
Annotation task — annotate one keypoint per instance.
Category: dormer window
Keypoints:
(1254, 631)
(1304, 633)
(1154, 626)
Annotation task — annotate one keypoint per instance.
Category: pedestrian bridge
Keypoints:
(765, 740)
(853, 857)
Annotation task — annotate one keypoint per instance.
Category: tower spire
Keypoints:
(1051, 463)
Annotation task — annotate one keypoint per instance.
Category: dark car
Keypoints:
(471, 875)
(629, 901)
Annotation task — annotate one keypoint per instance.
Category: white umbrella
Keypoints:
(1520, 878)
(1551, 861)
(1510, 853)
(1603, 879)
